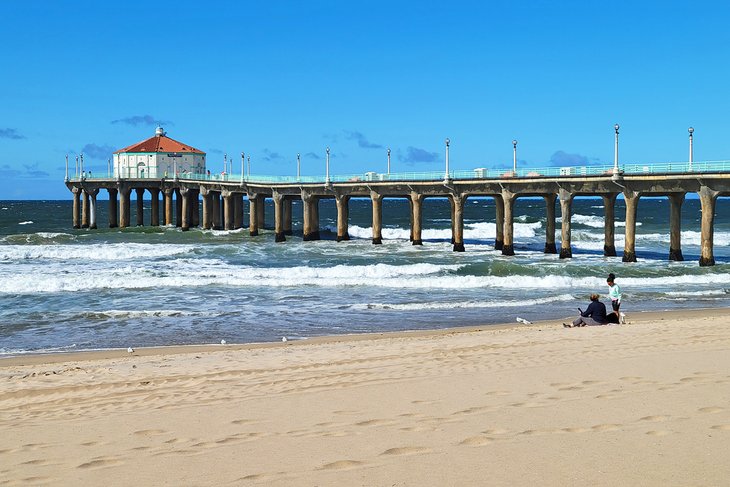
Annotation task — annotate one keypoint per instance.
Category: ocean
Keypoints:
(66, 290)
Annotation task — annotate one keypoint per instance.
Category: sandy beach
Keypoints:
(647, 403)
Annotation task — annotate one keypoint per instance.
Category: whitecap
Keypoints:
(462, 304)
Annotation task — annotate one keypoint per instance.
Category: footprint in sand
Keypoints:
(150, 432)
(476, 441)
(99, 463)
(242, 421)
(658, 433)
(37, 462)
(342, 465)
(711, 409)
(497, 393)
(606, 427)
(654, 419)
(375, 422)
(407, 450)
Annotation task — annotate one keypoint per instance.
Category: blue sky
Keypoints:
(276, 78)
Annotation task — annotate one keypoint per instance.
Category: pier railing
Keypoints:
(699, 167)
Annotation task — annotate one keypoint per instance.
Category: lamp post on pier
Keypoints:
(243, 159)
(514, 158)
(76, 174)
(249, 166)
(83, 173)
(66, 178)
(299, 166)
(108, 168)
(388, 161)
(615, 153)
(691, 153)
(225, 165)
(447, 178)
(327, 169)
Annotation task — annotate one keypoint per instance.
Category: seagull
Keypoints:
(130, 350)
(223, 342)
(523, 321)
(284, 339)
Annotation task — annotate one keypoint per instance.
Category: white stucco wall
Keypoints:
(157, 164)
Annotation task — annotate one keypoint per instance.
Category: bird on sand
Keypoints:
(130, 350)
(223, 342)
(284, 339)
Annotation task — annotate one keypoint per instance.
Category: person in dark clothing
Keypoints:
(594, 315)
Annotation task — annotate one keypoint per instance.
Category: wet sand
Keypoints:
(645, 403)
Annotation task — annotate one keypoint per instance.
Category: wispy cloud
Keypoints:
(137, 120)
(562, 158)
(215, 151)
(271, 156)
(8, 172)
(96, 151)
(28, 171)
(312, 155)
(362, 141)
(415, 155)
(11, 134)
(33, 171)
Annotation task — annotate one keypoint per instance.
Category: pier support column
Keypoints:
(85, 210)
(377, 200)
(237, 211)
(550, 223)
(708, 197)
(207, 208)
(566, 205)
(215, 209)
(416, 218)
(253, 214)
(76, 211)
(457, 223)
(113, 195)
(315, 217)
(632, 203)
(278, 217)
(124, 207)
(194, 208)
(498, 222)
(92, 208)
(185, 208)
(310, 217)
(140, 206)
(609, 224)
(261, 208)
(168, 205)
(508, 203)
(675, 226)
(228, 210)
(287, 217)
(178, 208)
(154, 207)
(343, 216)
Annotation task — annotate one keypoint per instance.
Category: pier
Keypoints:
(217, 202)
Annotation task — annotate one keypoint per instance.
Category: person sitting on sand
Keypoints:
(594, 315)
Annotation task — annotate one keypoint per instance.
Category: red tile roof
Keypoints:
(160, 143)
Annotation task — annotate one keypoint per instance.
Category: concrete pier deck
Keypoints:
(223, 204)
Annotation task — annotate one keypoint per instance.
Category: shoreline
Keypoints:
(39, 358)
